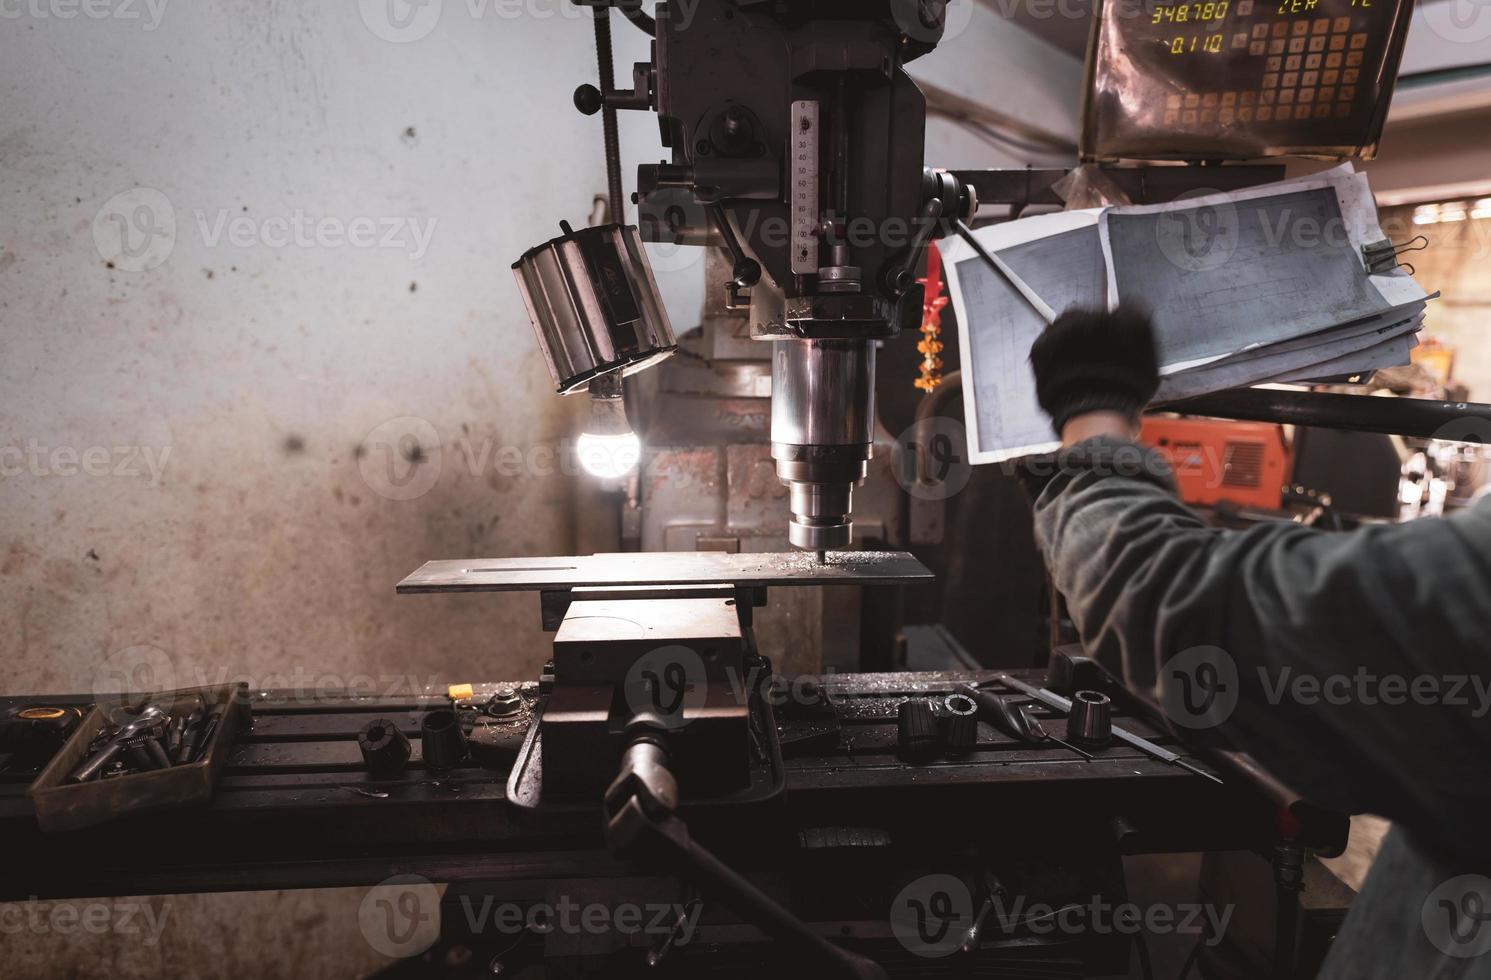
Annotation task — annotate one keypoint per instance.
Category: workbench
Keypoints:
(295, 809)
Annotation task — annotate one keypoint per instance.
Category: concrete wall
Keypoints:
(208, 439)
(261, 355)
(208, 417)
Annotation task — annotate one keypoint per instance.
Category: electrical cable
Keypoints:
(989, 132)
(984, 129)
(1453, 73)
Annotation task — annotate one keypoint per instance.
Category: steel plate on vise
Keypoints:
(667, 568)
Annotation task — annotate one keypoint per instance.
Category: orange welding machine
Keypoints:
(1246, 463)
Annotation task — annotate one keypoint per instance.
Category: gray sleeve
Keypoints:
(1354, 666)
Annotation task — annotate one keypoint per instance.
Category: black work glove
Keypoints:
(1095, 361)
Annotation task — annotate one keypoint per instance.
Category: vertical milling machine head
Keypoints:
(797, 142)
(796, 139)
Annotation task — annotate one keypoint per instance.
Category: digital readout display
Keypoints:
(1290, 73)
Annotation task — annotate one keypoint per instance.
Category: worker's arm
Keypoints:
(1353, 666)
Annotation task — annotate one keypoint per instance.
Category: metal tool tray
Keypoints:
(63, 806)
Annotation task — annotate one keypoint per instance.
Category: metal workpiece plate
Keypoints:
(667, 568)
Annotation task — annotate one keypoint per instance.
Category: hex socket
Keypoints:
(1091, 718)
(959, 725)
(442, 740)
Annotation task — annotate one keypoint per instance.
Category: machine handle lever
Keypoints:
(640, 819)
(746, 271)
(903, 274)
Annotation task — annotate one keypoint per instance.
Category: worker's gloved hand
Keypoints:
(1095, 361)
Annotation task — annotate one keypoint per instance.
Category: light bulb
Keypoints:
(609, 457)
(608, 448)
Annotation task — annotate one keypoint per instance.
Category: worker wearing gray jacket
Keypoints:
(1356, 667)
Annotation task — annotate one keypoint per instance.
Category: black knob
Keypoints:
(747, 272)
(588, 99)
(441, 739)
(385, 749)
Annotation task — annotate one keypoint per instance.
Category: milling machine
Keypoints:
(796, 140)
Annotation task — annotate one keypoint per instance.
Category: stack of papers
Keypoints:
(1267, 284)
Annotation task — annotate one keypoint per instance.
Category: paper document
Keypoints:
(1059, 257)
(1264, 284)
